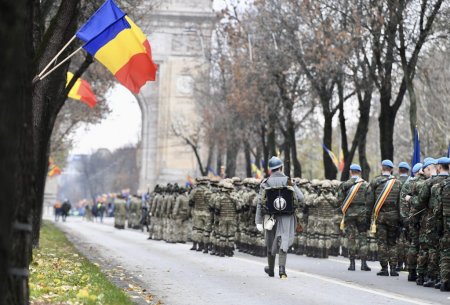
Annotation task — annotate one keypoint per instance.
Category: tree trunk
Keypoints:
(219, 161)
(16, 163)
(287, 158)
(248, 160)
(48, 97)
(343, 126)
(293, 143)
(265, 149)
(232, 152)
(363, 159)
(329, 167)
(386, 122)
(210, 157)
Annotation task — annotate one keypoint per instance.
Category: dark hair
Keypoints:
(402, 170)
(277, 169)
(386, 168)
(445, 166)
(355, 172)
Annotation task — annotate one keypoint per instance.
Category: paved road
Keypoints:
(179, 276)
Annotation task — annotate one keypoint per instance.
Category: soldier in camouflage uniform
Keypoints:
(239, 190)
(310, 203)
(355, 222)
(442, 215)
(155, 196)
(211, 199)
(432, 238)
(135, 212)
(157, 233)
(227, 210)
(336, 235)
(302, 218)
(387, 222)
(245, 242)
(170, 216)
(181, 216)
(326, 204)
(407, 214)
(248, 213)
(200, 214)
(120, 212)
(402, 243)
(422, 205)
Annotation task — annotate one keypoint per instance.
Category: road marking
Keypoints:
(380, 292)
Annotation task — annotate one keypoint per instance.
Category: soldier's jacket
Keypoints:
(197, 198)
(403, 179)
(159, 205)
(441, 210)
(326, 204)
(154, 204)
(406, 190)
(227, 206)
(246, 204)
(181, 207)
(429, 219)
(390, 210)
(358, 205)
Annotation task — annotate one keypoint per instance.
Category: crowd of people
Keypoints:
(401, 220)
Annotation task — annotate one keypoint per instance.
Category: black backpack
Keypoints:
(280, 201)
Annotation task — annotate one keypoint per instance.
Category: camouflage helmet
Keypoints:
(303, 181)
(326, 184)
(229, 180)
(201, 180)
(236, 180)
(215, 181)
(247, 181)
(315, 182)
(336, 183)
(228, 186)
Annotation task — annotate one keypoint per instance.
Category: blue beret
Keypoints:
(404, 165)
(417, 167)
(429, 162)
(355, 167)
(387, 163)
(443, 160)
(427, 159)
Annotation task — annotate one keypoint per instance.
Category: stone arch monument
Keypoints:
(179, 31)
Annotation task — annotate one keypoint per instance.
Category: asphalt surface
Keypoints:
(176, 275)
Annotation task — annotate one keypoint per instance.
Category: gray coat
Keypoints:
(282, 234)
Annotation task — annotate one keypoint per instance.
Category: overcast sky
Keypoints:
(121, 127)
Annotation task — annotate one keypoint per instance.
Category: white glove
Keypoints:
(260, 227)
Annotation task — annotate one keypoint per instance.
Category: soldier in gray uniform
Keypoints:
(281, 236)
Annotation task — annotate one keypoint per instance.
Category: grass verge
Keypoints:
(60, 275)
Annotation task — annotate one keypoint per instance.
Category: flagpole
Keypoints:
(56, 57)
(59, 64)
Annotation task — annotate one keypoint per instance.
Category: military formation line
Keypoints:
(402, 220)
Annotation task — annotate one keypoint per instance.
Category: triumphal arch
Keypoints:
(179, 32)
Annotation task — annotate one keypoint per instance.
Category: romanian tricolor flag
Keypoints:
(341, 161)
(332, 156)
(81, 91)
(53, 169)
(380, 202)
(256, 171)
(115, 41)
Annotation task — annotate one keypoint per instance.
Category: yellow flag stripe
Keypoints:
(383, 197)
(352, 196)
(73, 93)
(118, 51)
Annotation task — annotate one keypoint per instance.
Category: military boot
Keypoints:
(420, 280)
(271, 266)
(221, 251)
(200, 246)
(445, 286)
(437, 285)
(213, 250)
(383, 271)
(194, 246)
(412, 275)
(394, 271)
(282, 272)
(364, 266)
(430, 283)
(352, 265)
(206, 248)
